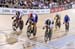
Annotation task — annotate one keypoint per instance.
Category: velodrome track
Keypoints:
(59, 39)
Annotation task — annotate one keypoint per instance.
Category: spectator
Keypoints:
(35, 3)
(41, 5)
(46, 6)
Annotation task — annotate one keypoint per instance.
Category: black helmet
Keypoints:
(48, 21)
(57, 15)
(18, 12)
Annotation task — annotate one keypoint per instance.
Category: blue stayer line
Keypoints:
(63, 41)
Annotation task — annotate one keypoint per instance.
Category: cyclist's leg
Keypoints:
(50, 34)
(55, 26)
(21, 25)
(59, 25)
(68, 26)
(35, 29)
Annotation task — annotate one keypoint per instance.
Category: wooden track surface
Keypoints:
(6, 24)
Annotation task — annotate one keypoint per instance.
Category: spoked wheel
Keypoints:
(34, 32)
(48, 34)
(46, 37)
(14, 25)
(30, 30)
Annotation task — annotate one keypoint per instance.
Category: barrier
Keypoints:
(24, 11)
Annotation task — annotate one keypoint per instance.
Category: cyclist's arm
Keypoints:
(27, 21)
(13, 17)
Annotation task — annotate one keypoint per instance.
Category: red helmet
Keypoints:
(30, 15)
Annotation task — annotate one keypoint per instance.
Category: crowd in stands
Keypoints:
(34, 4)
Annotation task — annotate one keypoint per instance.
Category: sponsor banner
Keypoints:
(24, 11)
(57, 9)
